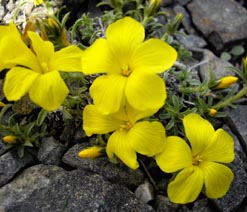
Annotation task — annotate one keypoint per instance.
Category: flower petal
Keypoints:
(124, 36)
(21, 54)
(108, 93)
(67, 59)
(96, 123)
(145, 91)
(153, 56)
(99, 59)
(199, 132)
(49, 91)
(17, 83)
(221, 148)
(217, 177)
(119, 145)
(43, 49)
(147, 138)
(175, 156)
(186, 187)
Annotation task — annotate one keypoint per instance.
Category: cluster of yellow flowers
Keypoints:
(129, 91)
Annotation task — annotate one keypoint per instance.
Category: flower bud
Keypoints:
(2, 104)
(212, 112)
(225, 82)
(38, 2)
(10, 139)
(153, 7)
(91, 152)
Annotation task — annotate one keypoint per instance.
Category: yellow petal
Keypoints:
(13, 51)
(43, 49)
(124, 36)
(145, 91)
(49, 91)
(119, 145)
(221, 148)
(153, 56)
(175, 156)
(67, 59)
(99, 59)
(186, 187)
(17, 83)
(96, 123)
(91, 152)
(147, 138)
(199, 131)
(108, 93)
(218, 179)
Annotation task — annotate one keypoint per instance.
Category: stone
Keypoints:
(11, 164)
(191, 42)
(145, 192)
(237, 192)
(50, 188)
(217, 65)
(202, 205)
(51, 151)
(163, 204)
(101, 165)
(183, 2)
(221, 21)
(237, 119)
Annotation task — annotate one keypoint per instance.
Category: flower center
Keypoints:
(126, 126)
(44, 67)
(125, 70)
(196, 160)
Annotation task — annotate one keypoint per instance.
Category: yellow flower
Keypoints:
(37, 70)
(200, 164)
(38, 2)
(225, 82)
(212, 112)
(131, 64)
(10, 139)
(129, 136)
(91, 152)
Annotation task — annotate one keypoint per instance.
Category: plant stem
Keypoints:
(234, 98)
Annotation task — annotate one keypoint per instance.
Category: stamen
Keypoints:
(125, 70)
(196, 160)
(126, 126)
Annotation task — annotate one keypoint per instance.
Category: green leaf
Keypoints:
(237, 50)
(41, 117)
(225, 56)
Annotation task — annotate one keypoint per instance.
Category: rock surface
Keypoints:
(50, 188)
(114, 173)
(220, 21)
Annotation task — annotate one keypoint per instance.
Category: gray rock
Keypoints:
(51, 151)
(237, 119)
(202, 205)
(191, 41)
(101, 165)
(221, 21)
(10, 164)
(217, 65)
(3, 147)
(183, 2)
(50, 188)
(163, 204)
(237, 192)
(145, 192)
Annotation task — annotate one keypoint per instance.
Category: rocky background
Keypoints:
(55, 179)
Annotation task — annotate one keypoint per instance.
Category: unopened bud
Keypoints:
(225, 82)
(91, 152)
(212, 112)
(2, 104)
(10, 139)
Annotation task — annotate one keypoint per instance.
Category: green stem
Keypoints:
(225, 103)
